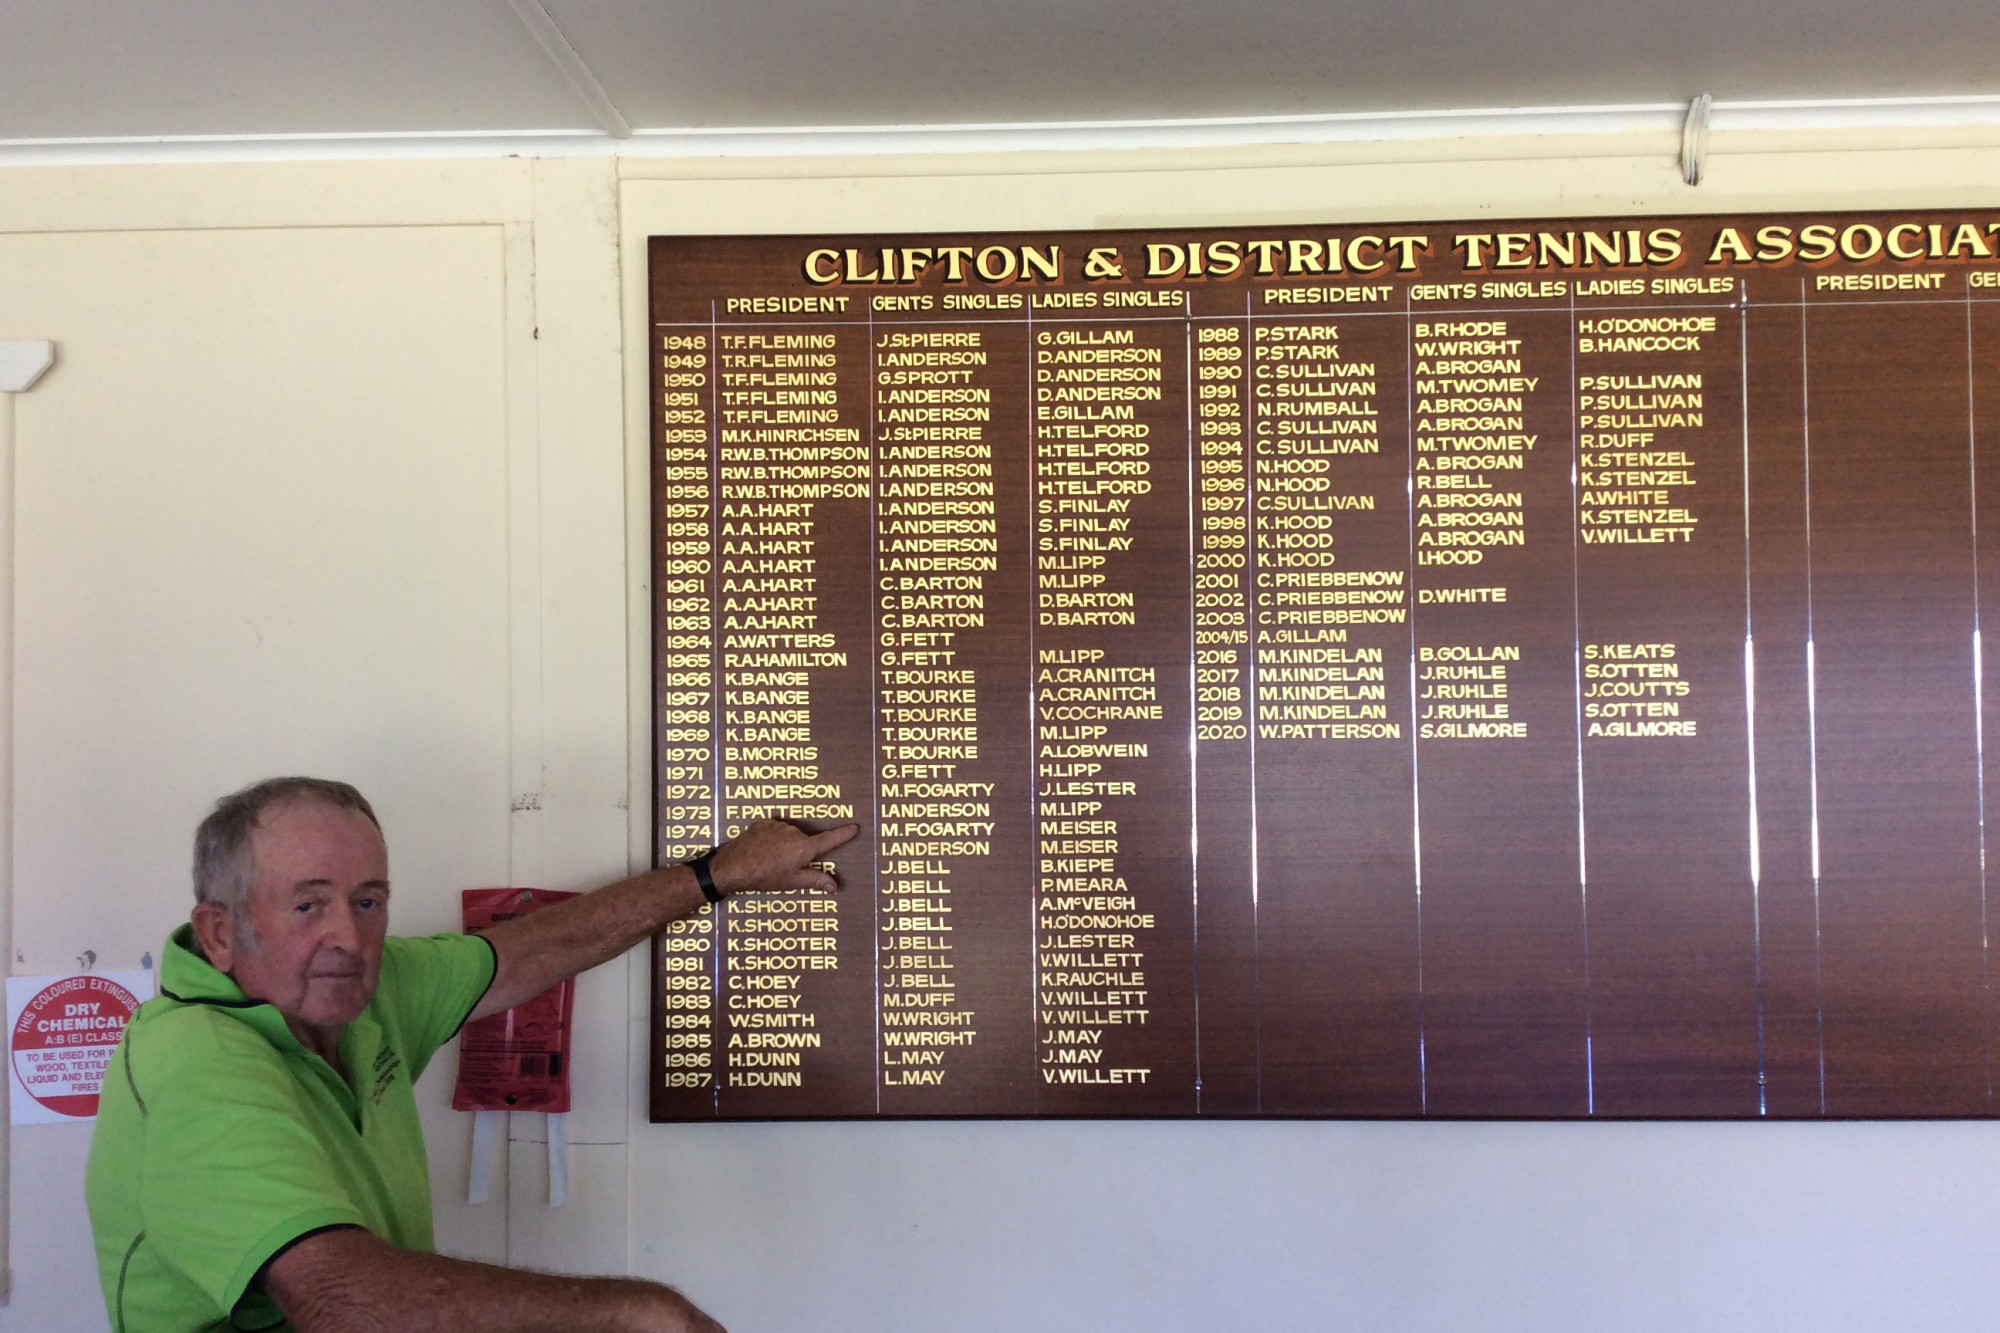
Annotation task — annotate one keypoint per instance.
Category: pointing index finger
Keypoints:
(819, 844)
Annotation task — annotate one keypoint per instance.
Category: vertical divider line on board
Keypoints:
(1028, 600)
(1978, 690)
(1194, 693)
(875, 1056)
(1812, 689)
(715, 658)
(1576, 682)
(1416, 780)
(1249, 410)
(1750, 698)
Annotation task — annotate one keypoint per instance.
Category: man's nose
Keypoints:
(340, 930)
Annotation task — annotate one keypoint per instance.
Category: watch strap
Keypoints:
(699, 865)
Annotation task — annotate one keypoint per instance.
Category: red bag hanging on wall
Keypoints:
(517, 1060)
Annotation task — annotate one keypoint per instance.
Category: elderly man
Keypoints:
(258, 1163)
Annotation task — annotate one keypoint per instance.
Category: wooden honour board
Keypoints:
(1469, 669)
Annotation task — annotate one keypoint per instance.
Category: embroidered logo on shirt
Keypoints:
(387, 1062)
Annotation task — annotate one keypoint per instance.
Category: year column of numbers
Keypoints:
(1221, 578)
(685, 674)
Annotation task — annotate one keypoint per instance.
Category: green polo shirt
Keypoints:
(221, 1140)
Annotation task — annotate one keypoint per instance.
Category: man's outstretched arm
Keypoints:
(350, 1281)
(535, 952)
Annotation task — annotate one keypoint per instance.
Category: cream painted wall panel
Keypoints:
(581, 787)
(461, 1229)
(188, 195)
(584, 794)
(1177, 1227)
(262, 528)
(599, 1079)
(1383, 180)
(54, 1266)
(576, 1238)
(311, 443)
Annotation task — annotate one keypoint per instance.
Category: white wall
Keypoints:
(284, 506)
(343, 469)
(1418, 1228)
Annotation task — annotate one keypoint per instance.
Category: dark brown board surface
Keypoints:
(1456, 669)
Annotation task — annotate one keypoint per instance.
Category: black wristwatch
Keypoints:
(699, 865)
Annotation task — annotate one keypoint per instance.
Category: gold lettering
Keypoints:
(1729, 248)
(1354, 248)
(1860, 241)
(1967, 237)
(1896, 249)
(1225, 258)
(1264, 250)
(854, 273)
(1595, 247)
(955, 258)
(1511, 250)
(995, 263)
(1773, 244)
(1103, 262)
(1045, 265)
(1551, 251)
(1406, 247)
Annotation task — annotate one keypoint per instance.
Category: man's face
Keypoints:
(320, 909)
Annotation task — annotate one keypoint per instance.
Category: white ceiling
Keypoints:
(91, 69)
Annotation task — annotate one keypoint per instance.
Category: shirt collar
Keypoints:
(189, 978)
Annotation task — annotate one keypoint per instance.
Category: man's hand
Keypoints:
(535, 952)
(772, 855)
(349, 1280)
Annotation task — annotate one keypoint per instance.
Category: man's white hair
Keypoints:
(225, 863)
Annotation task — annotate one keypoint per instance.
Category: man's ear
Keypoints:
(215, 928)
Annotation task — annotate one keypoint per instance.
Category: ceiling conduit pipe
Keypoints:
(565, 58)
(1694, 139)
